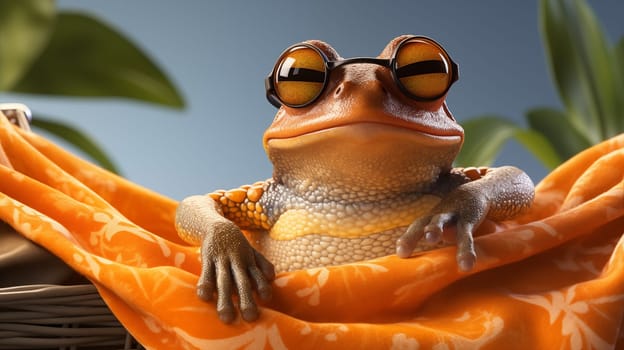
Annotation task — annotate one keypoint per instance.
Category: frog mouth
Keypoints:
(369, 134)
(436, 125)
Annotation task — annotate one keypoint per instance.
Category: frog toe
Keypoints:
(466, 255)
(406, 244)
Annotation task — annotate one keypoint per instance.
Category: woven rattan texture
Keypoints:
(59, 317)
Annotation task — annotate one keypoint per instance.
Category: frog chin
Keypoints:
(368, 157)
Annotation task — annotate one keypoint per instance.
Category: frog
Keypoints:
(362, 152)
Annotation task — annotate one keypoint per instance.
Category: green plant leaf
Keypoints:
(602, 68)
(486, 135)
(76, 138)
(556, 41)
(540, 146)
(618, 58)
(555, 125)
(484, 139)
(618, 52)
(86, 57)
(582, 66)
(25, 27)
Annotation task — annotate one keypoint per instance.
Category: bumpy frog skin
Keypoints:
(363, 172)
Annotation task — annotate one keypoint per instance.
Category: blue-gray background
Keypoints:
(218, 53)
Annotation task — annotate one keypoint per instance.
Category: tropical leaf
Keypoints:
(618, 58)
(76, 138)
(603, 68)
(582, 66)
(539, 146)
(85, 57)
(485, 137)
(565, 65)
(618, 53)
(25, 27)
(555, 125)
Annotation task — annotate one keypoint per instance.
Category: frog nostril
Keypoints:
(371, 89)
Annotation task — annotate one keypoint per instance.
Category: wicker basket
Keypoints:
(59, 317)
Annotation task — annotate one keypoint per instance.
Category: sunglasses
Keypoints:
(420, 67)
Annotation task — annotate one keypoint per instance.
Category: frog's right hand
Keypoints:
(230, 265)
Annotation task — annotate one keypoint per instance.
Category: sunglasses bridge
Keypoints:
(384, 62)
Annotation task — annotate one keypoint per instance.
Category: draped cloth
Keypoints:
(552, 278)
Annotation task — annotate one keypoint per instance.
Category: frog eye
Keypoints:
(299, 75)
(423, 68)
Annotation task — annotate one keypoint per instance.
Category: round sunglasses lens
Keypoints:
(423, 69)
(299, 76)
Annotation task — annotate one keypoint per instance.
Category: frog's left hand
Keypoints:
(500, 194)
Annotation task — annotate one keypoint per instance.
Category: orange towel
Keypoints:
(551, 279)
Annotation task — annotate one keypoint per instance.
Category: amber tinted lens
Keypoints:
(299, 76)
(423, 69)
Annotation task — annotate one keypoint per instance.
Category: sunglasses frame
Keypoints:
(390, 63)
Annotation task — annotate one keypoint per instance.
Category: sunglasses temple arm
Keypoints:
(270, 92)
(455, 71)
(273, 100)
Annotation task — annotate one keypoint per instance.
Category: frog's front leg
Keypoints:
(229, 264)
(495, 193)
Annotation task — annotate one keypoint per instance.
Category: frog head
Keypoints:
(374, 125)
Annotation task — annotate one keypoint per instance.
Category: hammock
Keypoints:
(550, 279)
